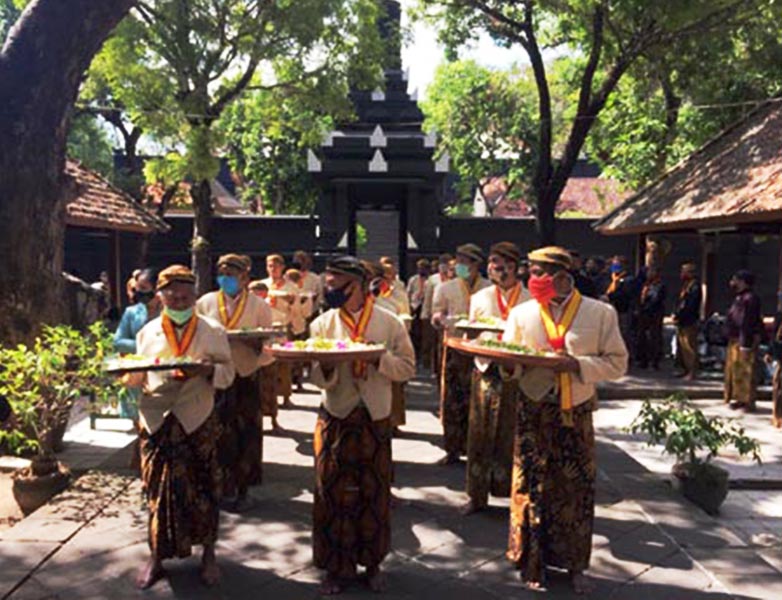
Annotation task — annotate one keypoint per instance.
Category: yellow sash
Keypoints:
(556, 331)
(230, 323)
(357, 329)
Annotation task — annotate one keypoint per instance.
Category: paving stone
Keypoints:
(18, 559)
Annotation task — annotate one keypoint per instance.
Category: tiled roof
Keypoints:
(590, 196)
(98, 204)
(735, 179)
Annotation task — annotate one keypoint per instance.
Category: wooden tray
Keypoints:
(474, 327)
(546, 361)
(331, 355)
(148, 366)
(264, 333)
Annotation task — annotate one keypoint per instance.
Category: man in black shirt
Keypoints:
(686, 316)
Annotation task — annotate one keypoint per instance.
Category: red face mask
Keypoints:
(541, 288)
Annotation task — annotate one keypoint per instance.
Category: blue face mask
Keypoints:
(616, 268)
(229, 284)
(180, 317)
(462, 271)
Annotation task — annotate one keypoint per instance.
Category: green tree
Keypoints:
(89, 143)
(41, 68)
(266, 135)
(483, 118)
(674, 101)
(606, 39)
(197, 57)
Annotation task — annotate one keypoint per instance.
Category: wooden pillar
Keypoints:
(351, 203)
(115, 269)
(708, 272)
(640, 252)
(406, 197)
(779, 283)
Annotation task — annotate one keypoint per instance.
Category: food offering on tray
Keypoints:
(496, 349)
(315, 348)
(262, 333)
(481, 324)
(133, 362)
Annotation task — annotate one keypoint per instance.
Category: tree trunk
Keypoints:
(203, 211)
(545, 218)
(41, 65)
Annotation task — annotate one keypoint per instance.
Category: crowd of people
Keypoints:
(526, 433)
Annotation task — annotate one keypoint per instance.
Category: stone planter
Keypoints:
(33, 491)
(704, 484)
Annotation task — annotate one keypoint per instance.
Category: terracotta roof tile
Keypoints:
(99, 204)
(734, 179)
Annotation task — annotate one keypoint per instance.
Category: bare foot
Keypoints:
(470, 507)
(581, 583)
(286, 403)
(210, 572)
(149, 574)
(691, 377)
(448, 459)
(534, 585)
(329, 586)
(376, 580)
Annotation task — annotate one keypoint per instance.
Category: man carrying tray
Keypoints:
(493, 400)
(452, 299)
(553, 484)
(239, 406)
(180, 429)
(351, 513)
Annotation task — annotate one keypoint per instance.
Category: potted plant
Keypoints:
(694, 439)
(42, 382)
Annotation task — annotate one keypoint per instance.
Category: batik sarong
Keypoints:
(740, 375)
(351, 509)
(553, 489)
(455, 401)
(183, 482)
(490, 437)
(241, 444)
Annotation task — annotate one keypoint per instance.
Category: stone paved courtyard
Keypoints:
(648, 542)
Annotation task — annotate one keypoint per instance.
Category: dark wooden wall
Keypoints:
(87, 252)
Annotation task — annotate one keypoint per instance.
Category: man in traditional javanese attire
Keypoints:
(351, 512)
(651, 312)
(451, 300)
(493, 400)
(180, 428)
(421, 329)
(311, 281)
(440, 275)
(282, 295)
(379, 288)
(553, 483)
(623, 292)
(775, 355)
(239, 406)
(744, 325)
(687, 316)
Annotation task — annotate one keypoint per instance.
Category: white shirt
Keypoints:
(190, 401)
(342, 392)
(593, 339)
(256, 314)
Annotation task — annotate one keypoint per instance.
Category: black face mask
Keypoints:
(144, 297)
(499, 275)
(336, 297)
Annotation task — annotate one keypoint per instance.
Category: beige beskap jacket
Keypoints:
(342, 392)
(594, 340)
(256, 314)
(190, 401)
(484, 302)
(451, 298)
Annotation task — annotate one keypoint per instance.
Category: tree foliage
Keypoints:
(605, 39)
(177, 65)
(483, 118)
